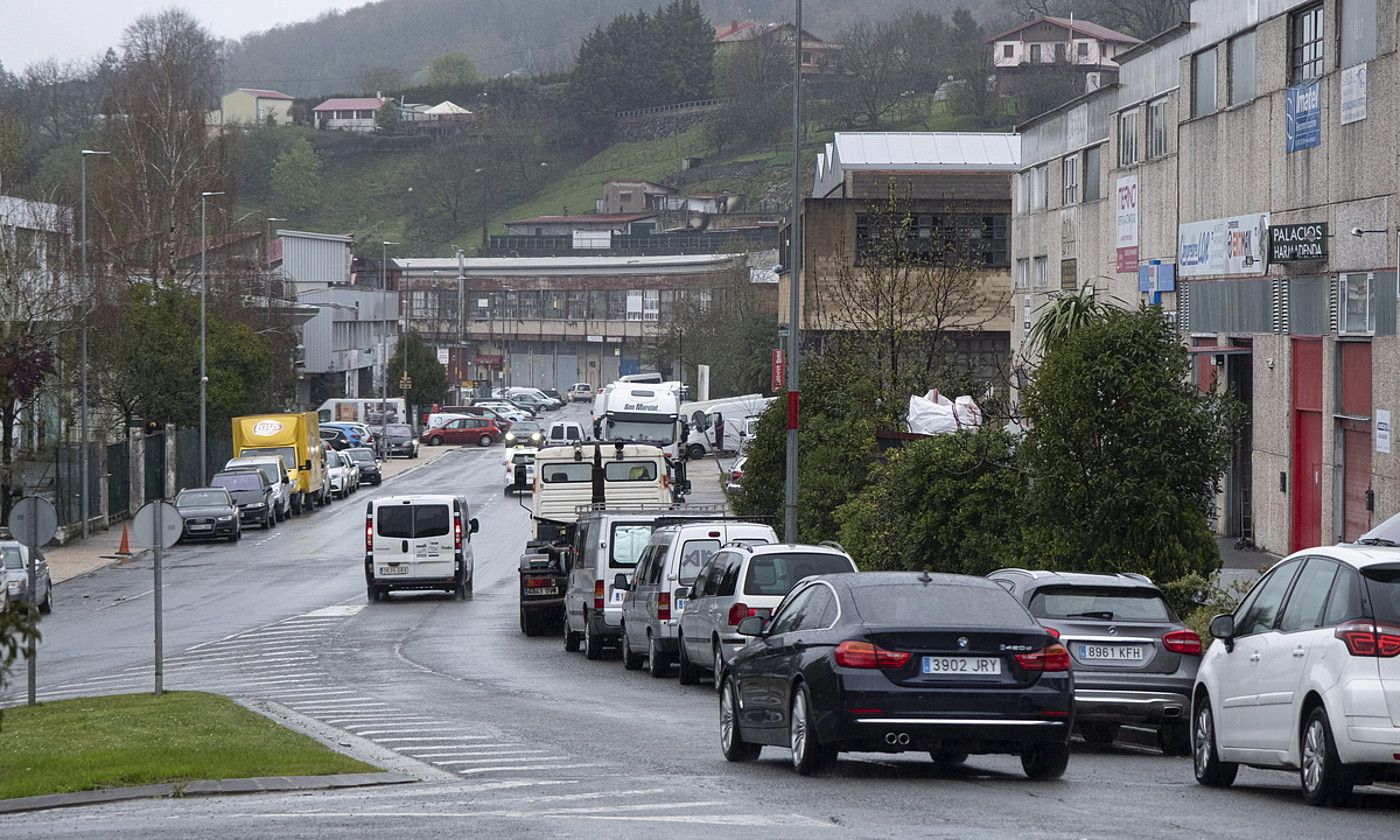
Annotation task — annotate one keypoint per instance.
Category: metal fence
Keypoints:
(118, 480)
(219, 450)
(155, 466)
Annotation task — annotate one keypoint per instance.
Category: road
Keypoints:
(517, 738)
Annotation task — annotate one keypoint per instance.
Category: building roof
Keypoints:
(546, 266)
(33, 215)
(591, 218)
(265, 94)
(367, 103)
(1088, 29)
(641, 181)
(327, 237)
(748, 30)
(928, 151)
(447, 107)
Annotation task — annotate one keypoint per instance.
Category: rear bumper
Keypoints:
(601, 627)
(1370, 740)
(1131, 705)
(415, 583)
(960, 734)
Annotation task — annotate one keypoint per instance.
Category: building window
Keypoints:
(634, 305)
(934, 239)
(1354, 304)
(1093, 162)
(1040, 186)
(1356, 36)
(1083, 49)
(1008, 51)
(1157, 128)
(1035, 52)
(651, 304)
(1242, 73)
(1059, 53)
(1305, 47)
(1069, 173)
(1127, 138)
(1022, 185)
(1023, 270)
(1038, 272)
(1203, 83)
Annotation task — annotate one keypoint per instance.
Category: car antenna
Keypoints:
(924, 578)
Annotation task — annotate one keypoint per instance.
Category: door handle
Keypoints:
(1254, 657)
(1299, 651)
(405, 546)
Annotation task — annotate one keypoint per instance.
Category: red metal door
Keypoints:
(1355, 429)
(1306, 479)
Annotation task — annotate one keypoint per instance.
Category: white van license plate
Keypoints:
(393, 570)
(986, 666)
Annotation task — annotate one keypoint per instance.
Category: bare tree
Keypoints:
(873, 56)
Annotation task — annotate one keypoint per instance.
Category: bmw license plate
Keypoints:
(1111, 653)
(971, 666)
(393, 570)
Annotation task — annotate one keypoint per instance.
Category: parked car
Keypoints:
(1134, 660)
(513, 411)
(14, 576)
(463, 430)
(398, 439)
(503, 419)
(562, 432)
(368, 466)
(899, 661)
(251, 493)
(656, 595)
(521, 455)
(526, 433)
(1304, 675)
(738, 582)
(336, 438)
(581, 392)
(359, 433)
(275, 469)
(735, 484)
(344, 475)
(418, 543)
(208, 513)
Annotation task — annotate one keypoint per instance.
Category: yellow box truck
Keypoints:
(297, 439)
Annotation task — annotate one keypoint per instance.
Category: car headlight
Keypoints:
(14, 587)
(226, 518)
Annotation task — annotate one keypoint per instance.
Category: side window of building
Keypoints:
(1038, 272)
(1305, 44)
(1157, 128)
(1040, 186)
(1243, 85)
(1203, 83)
(1356, 36)
(1128, 138)
(1023, 271)
(1093, 162)
(1069, 179)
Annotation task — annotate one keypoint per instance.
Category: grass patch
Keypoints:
(140, 739)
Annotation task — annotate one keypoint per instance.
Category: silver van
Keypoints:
(739, 582)
(656, 596)
(418, 542)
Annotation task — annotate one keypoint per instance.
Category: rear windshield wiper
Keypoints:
(1106, 615)
(1381, 541)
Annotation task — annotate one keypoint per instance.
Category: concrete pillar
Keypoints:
(103, 512)
(169, 490)
(136, 469)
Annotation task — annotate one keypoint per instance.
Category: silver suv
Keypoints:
(1134, 661)
(738, 582)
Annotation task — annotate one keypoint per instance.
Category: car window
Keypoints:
(190, 498)
(729, 579)
(1304, 608)
(431, 520)
(1344, 601)
(1383, 591)
(395, 521)
(694, 554)
(705, 579)
(12, 556)
(1264, 604)
(916, 604)
(1105, 603)
(571, 472)
(775, 574)
(790, 612)
(238, 481)
(628, 471)
(628, 541)
(815, 610)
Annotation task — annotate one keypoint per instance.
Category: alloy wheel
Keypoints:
(798, 729)
(726, 719)
(1314, 754)
(1204, 737)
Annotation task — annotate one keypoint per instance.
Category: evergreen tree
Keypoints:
(296, 177)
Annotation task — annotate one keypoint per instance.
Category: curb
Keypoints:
(211, 787)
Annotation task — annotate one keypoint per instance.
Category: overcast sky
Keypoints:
(67, 29)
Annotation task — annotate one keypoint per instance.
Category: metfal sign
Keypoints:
(1219, 247)
(1298, 243)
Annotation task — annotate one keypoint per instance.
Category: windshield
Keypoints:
(199, 498)
(523, 458)
(360, 455)
(658, 430)
(286, 453)
(237, 481)
(398, 431)
(1107, 603)
(13, 558)
(525, 428)
(777, 574)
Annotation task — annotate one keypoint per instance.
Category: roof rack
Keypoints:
(644, 507)
(832, 544)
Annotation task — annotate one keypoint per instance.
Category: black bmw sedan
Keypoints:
(896, 662)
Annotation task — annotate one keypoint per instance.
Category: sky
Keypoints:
(79, 29)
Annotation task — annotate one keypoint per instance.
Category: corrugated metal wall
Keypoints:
(315, 261)
(1232, 306)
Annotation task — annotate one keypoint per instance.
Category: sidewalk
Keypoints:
(1242, 563)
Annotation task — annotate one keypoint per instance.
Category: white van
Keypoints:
(562, 433)
(418, 542)
(721, 424)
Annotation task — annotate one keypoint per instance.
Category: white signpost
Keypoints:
(33, 521)
(157, 526)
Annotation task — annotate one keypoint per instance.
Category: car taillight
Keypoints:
(738, 612)
(369, 535)
(1365, 638)
(597, 594)
(853, 654)
(457, 531)
(663, 606)
(538, 582)
(1052, 658)
(1054, 634)
(736, 475)
(1187, 642)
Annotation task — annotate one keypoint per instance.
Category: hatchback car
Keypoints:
(526, 433)
(336, 438)
(14, 576)
(742, 581)
(896, 662)
(398, 439)
(251, 493)
(1305, 674)
(369, 467)
(1134, 660)
(342, 473)
(462, 431)
(208, 513)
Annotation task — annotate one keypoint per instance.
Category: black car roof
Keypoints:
(859, 579)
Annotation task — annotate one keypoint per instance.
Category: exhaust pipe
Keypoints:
(900, 739)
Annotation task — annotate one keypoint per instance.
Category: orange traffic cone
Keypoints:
(125, 549)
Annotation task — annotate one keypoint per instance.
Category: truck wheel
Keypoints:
(695, 452)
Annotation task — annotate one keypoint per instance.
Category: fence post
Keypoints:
(169, 490)
(136, 469)
(104, 500)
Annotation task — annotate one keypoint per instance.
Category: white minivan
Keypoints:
(418, 542)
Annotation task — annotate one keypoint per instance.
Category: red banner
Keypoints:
(779, 371)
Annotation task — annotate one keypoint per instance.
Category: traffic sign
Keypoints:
(33, 521)
(143, 528)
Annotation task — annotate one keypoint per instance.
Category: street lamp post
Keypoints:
(461, 313)
(84, 502)
(203, 343)
(794, 300)
(384, 335)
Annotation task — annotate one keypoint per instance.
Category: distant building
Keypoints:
(1023, 51)
(594, 230)
(250, 106)
(646, 196)
(312, 260)
(818, 57)
(349, 114)
(347, 344)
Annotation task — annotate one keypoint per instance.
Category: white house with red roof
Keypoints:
(1045, 42)
(252, 106)
(354, 114)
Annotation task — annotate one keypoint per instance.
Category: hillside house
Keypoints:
(356, 114)
(1052, 42)
(250, 106)
(818, 57)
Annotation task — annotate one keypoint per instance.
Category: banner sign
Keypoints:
(1298, 243)
(1354, 94)
(1156, 276)
(1302, 125)
(1218, 247)
(1126, 212)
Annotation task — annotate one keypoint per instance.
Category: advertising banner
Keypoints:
(1354, 94)
(1126, 210)
(1298, 243)
(1303, 116)
(1218, 247)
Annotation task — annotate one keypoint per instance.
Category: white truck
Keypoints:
(634, 412)
(370, 412)
(720, 425)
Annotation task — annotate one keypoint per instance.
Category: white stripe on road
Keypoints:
(473, 770)
(340, 610)
(428, 740)
(501, 757)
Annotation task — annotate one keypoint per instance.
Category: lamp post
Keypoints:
(794, 300)
(384, 335)
(203, 343)
(461, 311)
(83, 500)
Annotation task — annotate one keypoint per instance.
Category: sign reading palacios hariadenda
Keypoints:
(1306, 242)
(1223, 247)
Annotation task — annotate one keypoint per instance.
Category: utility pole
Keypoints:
(461, 314)
(794, 278)
(384, 334)
(84, 502)
(203, 343)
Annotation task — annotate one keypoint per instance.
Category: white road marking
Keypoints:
(573, 797)
(500, 757)
(338, 610)
(430, 740)
(471, 770)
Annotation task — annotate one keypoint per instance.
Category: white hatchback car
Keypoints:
(1305, 674)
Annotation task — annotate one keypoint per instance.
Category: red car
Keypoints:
(479, 430)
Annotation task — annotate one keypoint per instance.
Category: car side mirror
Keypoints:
(1222, 627)
(620, 582)
(475, 526)
(307, 465)
(751, 626)
(286, 479)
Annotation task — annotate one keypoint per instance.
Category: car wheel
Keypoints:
(484, 440)
(571, 639)
(1046, 761)
(718, 669)
(948, 758)
(658, 664)
(1326, 780)
(471, 582)
(372, 593)
(631, 660)
(809, 754)
(1210, 770)
(461, 591)
(731, 741)
(695, 452)
(592, 645)
(237, 535)
(46, 606)
(435, 440)
(1098, 734)
(269, 521)
(509, 489)
(686, 671)
(1174, 738)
